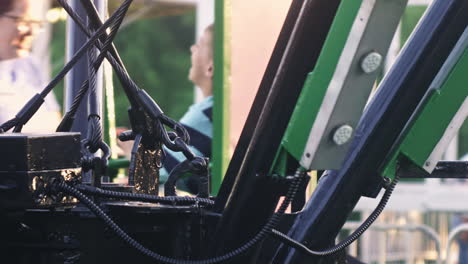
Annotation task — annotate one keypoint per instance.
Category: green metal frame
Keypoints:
(315, 87)
(221, 88)
(432, 118)
(318, 81)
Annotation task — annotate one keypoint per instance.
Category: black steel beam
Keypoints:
(244, 199)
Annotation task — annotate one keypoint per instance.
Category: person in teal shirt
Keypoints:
(198, 119)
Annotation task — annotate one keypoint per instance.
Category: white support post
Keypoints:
(205, 16)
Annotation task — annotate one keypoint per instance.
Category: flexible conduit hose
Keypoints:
(272, 222)
(350, 239)
(143, 197)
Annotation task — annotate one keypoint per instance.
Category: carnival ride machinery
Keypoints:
(311, 113)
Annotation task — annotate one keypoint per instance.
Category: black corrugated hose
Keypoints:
(143, 197)
(353, 237)
(272, 222)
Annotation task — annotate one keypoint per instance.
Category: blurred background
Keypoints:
(155, 41)
(154, 44)
(155, 47)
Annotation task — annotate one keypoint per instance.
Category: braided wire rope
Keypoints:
(93, 66)
(175, 141)
(23, 118)
(19, 126)
(93, 14)
(95, 136)
(118, 15)
(108, 51)
(8, 124)
(94, 139)
(68, 118)
(180, 130)
(94, 125)
(111, 54)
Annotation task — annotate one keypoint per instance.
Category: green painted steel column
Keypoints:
(318, 80)
(220, 146)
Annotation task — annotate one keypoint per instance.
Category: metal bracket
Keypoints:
(351, 84)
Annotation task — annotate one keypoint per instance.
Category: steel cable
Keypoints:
(19, 121)
(67, 121)
(127, 82)
(94, 138)
(9, 124)
(94, 16)
(118, 15)
(94, 125)
(180, 130)
(110, 53)
(116, 63)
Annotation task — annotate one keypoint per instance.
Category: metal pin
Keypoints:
(342, 134)
(371, 62)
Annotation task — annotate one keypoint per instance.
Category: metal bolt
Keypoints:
(371, 62)
(342, 134)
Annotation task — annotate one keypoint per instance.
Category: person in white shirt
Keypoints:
(20, 76)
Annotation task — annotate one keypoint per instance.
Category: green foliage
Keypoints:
(156, 53)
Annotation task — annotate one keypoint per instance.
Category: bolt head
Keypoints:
(342, 134)
(371, 62)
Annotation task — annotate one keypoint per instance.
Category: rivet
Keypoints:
(342, 134)
(371, 62)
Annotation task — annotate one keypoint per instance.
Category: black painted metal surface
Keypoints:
(75, 235)
(244, 200)
(29, 163)
(36, 152)
(443, 170)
